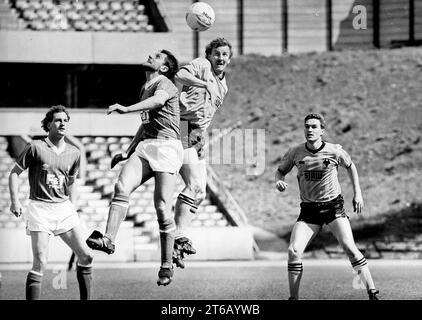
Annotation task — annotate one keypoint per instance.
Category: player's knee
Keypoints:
(40, 262)
(294, 253)
(86, 259)
(121, 188)
(166, 224)
(351, 250)
(195, 191)
(161, 208)
(200, 196)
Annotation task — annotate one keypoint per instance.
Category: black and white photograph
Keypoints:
(215, 158)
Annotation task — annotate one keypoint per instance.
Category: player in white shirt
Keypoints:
(317, 164)
(203, 92)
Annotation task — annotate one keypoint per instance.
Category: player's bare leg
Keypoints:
(341, 229)
(194, 174)
(165, 184)
(39, 242)
(73, 238)
(135, 172)
(302, 234)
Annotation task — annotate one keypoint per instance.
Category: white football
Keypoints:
(200, 16)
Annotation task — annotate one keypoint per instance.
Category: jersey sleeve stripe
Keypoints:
(17, 164)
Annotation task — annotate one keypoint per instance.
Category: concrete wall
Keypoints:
(83, 122)
(82, 47)
(15, 247)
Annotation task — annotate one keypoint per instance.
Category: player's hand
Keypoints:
(16, 209)
(357, 203)
(117, 158)
(281, 185)
(117, 108)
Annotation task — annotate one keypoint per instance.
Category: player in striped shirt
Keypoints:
(53, 166)
(158, 153)
(317, 163)
(203, 92)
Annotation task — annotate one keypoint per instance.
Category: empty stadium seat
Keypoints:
(66, 4)
(22, 4)
(103, 5)
(122, 16)
(35, 4)
(90, 5)
(116, 5)
(128, 5)
(79, 5)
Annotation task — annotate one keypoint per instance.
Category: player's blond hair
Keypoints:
(216, 43)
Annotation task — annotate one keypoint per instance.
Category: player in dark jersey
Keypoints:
(317, 163)
(158, 154)
(53, 166)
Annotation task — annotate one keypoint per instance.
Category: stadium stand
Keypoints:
(10, 18)
(66, 15)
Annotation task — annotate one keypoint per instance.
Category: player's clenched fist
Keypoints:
(16, 209)
(117, 108)
(118, 158)
(281, 185)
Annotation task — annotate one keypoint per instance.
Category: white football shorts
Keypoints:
(51, 217)
(163, 155)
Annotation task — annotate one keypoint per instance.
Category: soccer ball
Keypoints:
(200, 16)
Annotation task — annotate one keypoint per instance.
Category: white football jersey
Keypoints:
(196, 105)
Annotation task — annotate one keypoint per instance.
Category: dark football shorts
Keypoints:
(322, 212)
(192, 136)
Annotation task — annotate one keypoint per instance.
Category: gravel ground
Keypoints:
(372, 101)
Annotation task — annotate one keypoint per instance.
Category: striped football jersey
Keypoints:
(49, 169)
(163, 122)
(316, 170)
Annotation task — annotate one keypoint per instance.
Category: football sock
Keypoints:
(294, 270)
(84, 276)
(167, 228)
(362, 269)
(33, 285)
(116, 215)
(184, 208)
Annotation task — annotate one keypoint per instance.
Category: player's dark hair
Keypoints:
(316, 116)
(50, 115)
(171, 63)
(216, 43)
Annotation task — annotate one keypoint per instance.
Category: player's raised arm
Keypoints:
(357, 197)
(15, 205)
(156, 101)
(186, 78)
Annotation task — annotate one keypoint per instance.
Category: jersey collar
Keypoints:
(316, 150)
(54, 148)
(153, 80)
